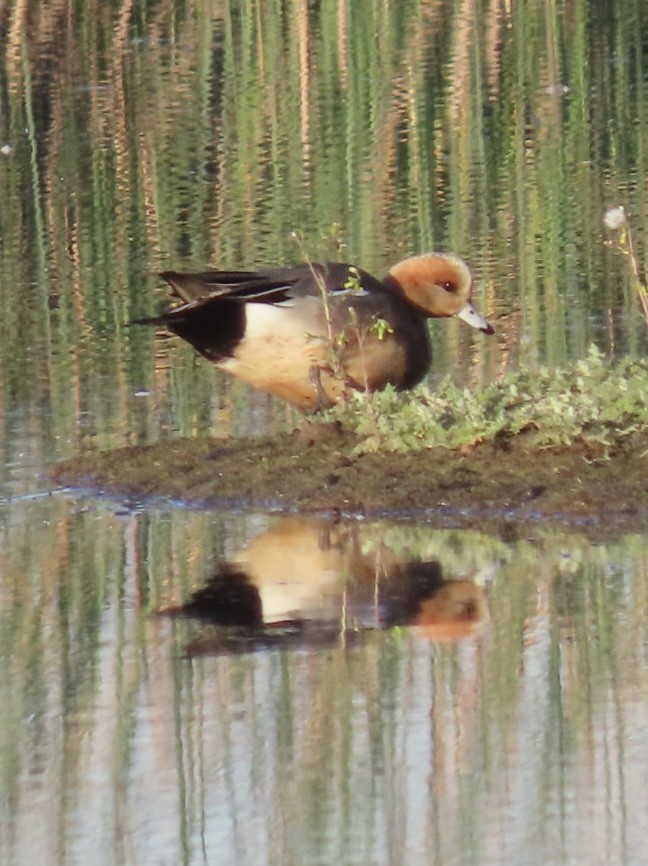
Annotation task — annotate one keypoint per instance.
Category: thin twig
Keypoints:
(616, 220)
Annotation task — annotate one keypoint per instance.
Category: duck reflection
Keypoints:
(307, 583)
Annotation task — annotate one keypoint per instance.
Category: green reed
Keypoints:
(196, 136)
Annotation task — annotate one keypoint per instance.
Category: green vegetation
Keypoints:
(139, 137)
(588, 401)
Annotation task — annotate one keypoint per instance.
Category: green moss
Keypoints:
(589, 401)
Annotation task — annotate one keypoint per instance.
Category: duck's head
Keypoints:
(439, 284)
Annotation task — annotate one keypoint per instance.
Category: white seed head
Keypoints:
(615, 218)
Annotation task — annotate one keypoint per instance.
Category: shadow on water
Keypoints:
(312, 584)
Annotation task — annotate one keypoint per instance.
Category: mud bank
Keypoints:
(316, 470)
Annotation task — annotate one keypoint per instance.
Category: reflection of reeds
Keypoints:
(96, 691)
(202, 133)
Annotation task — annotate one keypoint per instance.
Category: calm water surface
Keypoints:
(400, 694)
(192, 687)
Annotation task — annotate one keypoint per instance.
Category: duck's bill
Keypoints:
(471, 317)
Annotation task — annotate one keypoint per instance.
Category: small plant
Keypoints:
(380, 327)
(353, 283)
(616, 221)
(320, 282)
(587, 401)
(337, 341)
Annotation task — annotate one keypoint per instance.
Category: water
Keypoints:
(437, 693)
(407, 694)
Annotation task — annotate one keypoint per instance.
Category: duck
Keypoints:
(313, 332)
(299, 579)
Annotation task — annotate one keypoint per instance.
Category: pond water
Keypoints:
(183, 686)
(351, 691)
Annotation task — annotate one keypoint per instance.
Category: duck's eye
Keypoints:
(449, 286)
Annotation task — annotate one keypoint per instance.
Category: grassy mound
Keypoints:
(588, 402)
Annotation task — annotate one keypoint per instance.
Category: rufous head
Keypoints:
(455, 611)
(439, 284)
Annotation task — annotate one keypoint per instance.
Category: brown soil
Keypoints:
(315, 470)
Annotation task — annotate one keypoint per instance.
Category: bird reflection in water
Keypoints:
(308, 583)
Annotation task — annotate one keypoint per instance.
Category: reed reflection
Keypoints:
(314, 583)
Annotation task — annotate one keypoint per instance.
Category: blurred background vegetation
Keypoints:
(143, 135)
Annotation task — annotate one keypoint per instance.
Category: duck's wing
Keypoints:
(278, 285)
(217, 290)
(243, 286)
